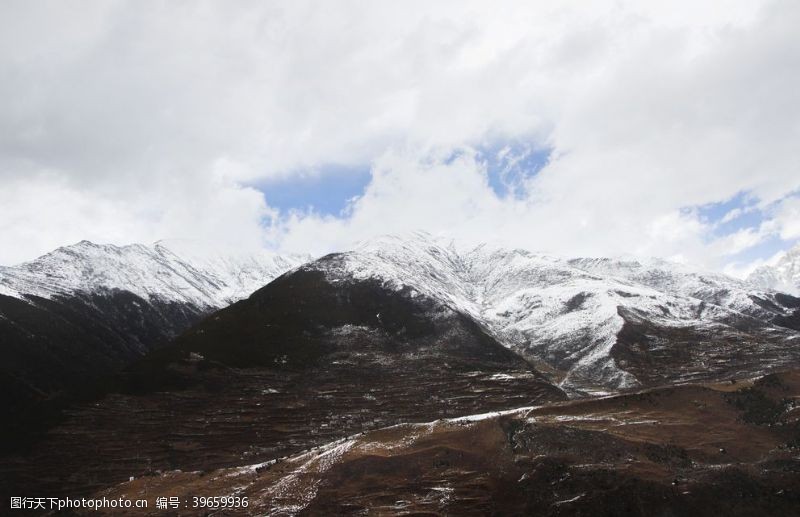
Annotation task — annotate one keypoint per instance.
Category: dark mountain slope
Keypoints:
(743, 346)
(77, 315)
(67, 344)
(302, 320)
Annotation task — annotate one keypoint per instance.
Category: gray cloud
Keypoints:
(126, 121)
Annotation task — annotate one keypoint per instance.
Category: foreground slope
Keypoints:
(688, 450)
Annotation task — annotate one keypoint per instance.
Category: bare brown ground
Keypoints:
(687, 450)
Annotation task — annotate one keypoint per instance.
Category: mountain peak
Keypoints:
(184, 271)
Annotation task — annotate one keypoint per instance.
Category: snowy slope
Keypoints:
(783, 276)
(563, 314)
(177, 271)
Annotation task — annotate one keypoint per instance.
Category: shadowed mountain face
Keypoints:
(303, 320)
(301, 362)
(682, 451)
(67, 344)
(73, 317)
(742, 346)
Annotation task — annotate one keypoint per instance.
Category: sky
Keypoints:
(613, 127)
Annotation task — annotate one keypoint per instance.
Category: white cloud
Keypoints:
(452, 197)
(130, 121)
(786, 220)
(744, 270)
(43, 212)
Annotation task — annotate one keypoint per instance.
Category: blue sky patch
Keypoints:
(326, 190)
(763, 250)
(510, 164)
(739, 212)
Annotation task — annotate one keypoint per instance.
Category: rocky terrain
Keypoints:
(687, 450)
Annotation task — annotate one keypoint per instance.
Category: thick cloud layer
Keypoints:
(134, 121)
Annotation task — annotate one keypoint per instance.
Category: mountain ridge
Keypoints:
(578, 318)
(566, 312)
(170, 270)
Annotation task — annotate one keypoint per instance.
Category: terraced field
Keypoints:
(732, 448)
(232, 416)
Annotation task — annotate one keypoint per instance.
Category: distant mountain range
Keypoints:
(186, 272)
(589, 324)
(214, 360)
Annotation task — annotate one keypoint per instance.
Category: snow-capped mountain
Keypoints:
(590, 324)
(400, 329)
(85, 311)
(178, 271)
(566, 315)
(783, 276)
